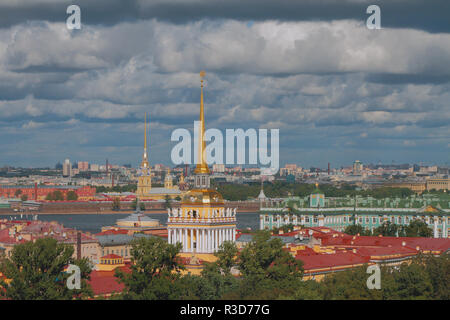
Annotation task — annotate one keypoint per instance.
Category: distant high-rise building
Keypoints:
(83, 166)
(357, 167)
(67, 168)
(220, 168)
(94, 167)
(292, 167)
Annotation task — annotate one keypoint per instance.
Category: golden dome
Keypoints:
(202, 196)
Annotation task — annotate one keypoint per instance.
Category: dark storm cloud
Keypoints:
(432, 16)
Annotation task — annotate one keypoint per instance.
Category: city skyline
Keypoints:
(336, 90)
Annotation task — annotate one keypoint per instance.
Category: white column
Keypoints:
(208, 240)
(201, 239)
(204, 240)
(208, 245)
(218, 239)
(435, 228)
(185, 240)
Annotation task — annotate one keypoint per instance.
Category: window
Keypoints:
(374, 220)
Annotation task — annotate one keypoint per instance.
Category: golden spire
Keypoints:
(145, 156)
(202, 167)
(145, 130)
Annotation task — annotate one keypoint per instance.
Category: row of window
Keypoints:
(366, 220)
(117, 251)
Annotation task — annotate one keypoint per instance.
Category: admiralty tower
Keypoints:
(201, 223)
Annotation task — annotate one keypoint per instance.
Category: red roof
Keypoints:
(6, 238)
(104, 282)
(424, 244)
(322, 261)
(386, 251)
(111, 231)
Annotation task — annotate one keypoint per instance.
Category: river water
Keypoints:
(94, 222)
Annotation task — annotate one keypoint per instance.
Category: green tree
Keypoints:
(134, 204)
(18, 193)
(412, 282)
(141, 205)
(355, 229)
(72, 195)
(438, 269)
(417, 228)
(49, 196)
(58, 195)
(348, 285)
(309, 290)
(388, 229)
(155, 271)
(37, 272)
(167, 202)
(267, 270)
(24, 197)
(116, 204)
(226, 257)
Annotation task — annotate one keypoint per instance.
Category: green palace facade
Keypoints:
(337, 213)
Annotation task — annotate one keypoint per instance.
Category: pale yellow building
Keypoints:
(438, 184)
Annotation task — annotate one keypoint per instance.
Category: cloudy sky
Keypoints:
(336, 90)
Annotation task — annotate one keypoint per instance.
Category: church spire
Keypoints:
(145, 155)
(202, 167)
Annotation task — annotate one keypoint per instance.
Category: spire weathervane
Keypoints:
(202, 167)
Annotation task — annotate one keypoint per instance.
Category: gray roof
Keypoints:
(245, 237)
(137, 217)
(164, 190)
(120, 239)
